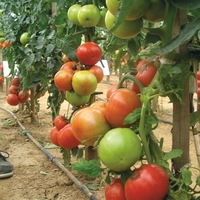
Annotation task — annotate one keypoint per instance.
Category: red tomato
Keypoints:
(111, 90)
(23, 97)
(1, 79)
(63, 79)
(54, 136)
(198, 83)
(122, 102)
(1, 45)
(115, 190)
(146, 72)
(66, 138)
(88, 124)
(12, 99)
(89, 53)
(198, 75)
(13, 89)
(60, 121)
(98, 72)
(150, 181)
(16, 81)
(71, 65)
(198, 92)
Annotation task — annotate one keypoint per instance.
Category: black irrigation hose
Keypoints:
(25, 132)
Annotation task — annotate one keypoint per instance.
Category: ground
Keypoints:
(35, 176)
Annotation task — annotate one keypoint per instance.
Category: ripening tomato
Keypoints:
(89, 53)
(146, 72)
(122, 102)
(13, 89)
(66, 138)
(111, 90)
(12, 99)
(63, 79)
(198, 83)
(198, 75)
(84, 82)
(100, 105)
(71, 65)
(115, 190)
(23, 97)
(88, 124)
(98, 72)
(150, 181)
(16, 81)
(54, 136)
(1, 79)
(60, 121)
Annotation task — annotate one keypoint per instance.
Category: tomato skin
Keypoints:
(16, 81)
(89, 53)
(84, 82)
(122, 102)
(54, 136)
(75, 99)
(198, 75)
(98, 72)
(111, 90)
(119, 149)
(115, 190)
(150, 181)
(145, 74)
(60, 121)
(66, 138)
(71, 65)
(88, 124)
(12, 99)
(63, 79)
(23, 97)
(13, 89)
(100, 105)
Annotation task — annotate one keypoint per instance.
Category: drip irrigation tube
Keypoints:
(25, 132)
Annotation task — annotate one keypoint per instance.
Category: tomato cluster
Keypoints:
(87, 16)
(149, 181)
(16, 94)
(198, 82)
(79, 79)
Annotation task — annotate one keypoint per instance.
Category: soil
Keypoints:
(35, 176)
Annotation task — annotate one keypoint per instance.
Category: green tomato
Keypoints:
(73, 14)
(2, 39)
(101, 22)
(119, 149)
(24, 38)
(84, 82)
(75, 99)
(136, 11)
(89, 15)
(127, 29)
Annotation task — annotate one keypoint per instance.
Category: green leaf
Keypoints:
(187, 176)
(185, 35)
(133, 116)
(49, 48)
(174, 153)
(186, 4)
(194, 118)
(198, 181)
(28, 61)
(91, 168)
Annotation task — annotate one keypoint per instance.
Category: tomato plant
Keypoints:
(84, 82)
(89, 53)
(122, 102)
(60, 121)
(119, 149)
(88, 124)
(115, 190)
(66, 138)
(147, 182)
